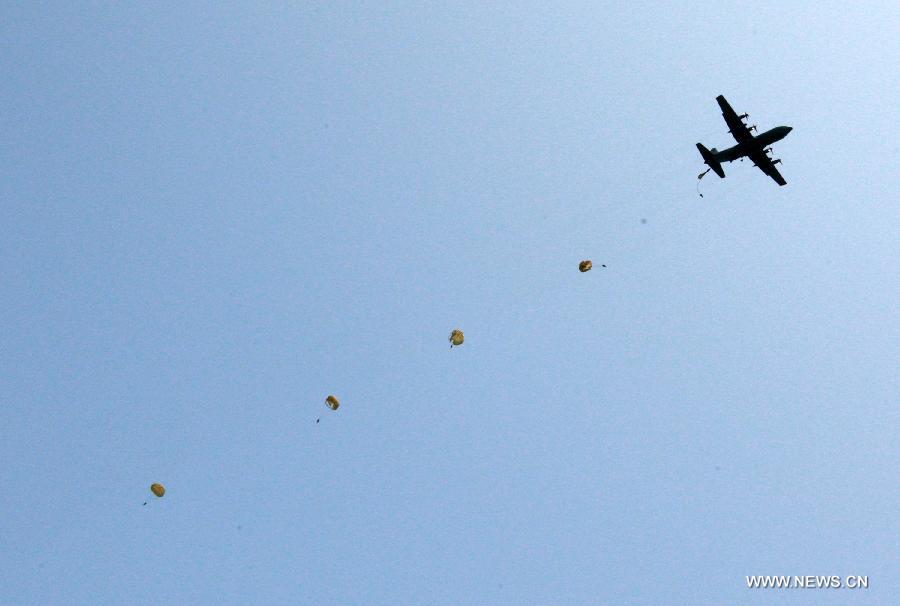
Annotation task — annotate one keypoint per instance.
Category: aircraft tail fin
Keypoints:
(709, 159)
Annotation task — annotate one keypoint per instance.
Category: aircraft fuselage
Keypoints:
(757, 143)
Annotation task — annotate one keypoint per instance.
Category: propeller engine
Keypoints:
(742, 116)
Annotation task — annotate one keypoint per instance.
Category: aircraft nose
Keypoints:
(789, 129)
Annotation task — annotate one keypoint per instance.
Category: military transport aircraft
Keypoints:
(756, 148)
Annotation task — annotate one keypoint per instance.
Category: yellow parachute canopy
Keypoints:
(158, 489)
(585, 265)
(332, 402)
(456, 337)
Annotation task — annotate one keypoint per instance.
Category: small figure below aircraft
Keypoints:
(756, 148)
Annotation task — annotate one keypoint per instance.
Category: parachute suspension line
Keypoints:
(700, 176)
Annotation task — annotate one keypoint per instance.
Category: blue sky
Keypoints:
(216, 215)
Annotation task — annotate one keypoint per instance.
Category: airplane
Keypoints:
(756, 148)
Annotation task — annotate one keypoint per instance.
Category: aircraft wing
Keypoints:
(735, 125)
(764, 163)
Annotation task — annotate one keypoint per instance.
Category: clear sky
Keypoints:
(214, 216)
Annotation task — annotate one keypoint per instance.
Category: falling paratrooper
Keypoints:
(158, 489)
(456, 337)
(586, 265)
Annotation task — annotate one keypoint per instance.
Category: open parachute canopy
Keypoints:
(456, 337)
(585, 265)
(332, 402)
(158, 489)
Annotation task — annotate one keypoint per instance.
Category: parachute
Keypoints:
(456, 337)
(332, 402)
(157, 489)
(585, 265)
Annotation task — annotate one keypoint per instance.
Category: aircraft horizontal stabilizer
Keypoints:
(710, 160)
